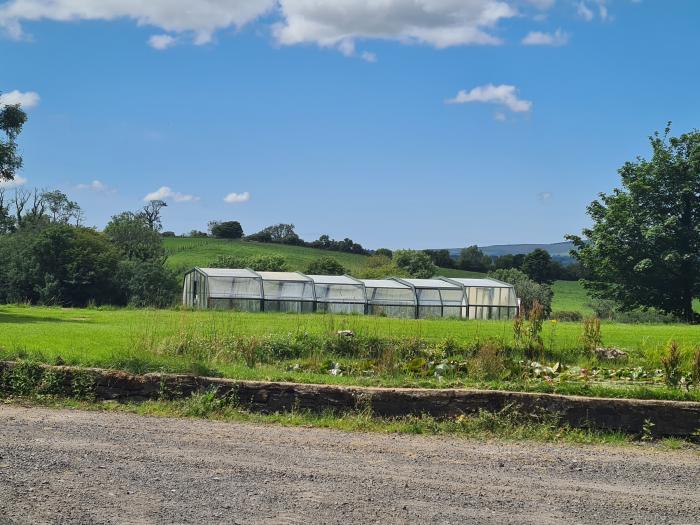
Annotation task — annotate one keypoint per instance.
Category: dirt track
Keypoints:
(61, 466)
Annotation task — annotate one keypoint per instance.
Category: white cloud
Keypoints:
(544, 196)
(14, 183)
(164, 193)
(27, 99)
(96, 186)
(439, 23)
(538, 38)
(232, 198)
(336, 24)
(500, 116)
(503, 94)
(162, 42)
(198, 18)
(586, 10)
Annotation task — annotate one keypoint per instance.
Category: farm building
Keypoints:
(250, 291)
(390, 297)
(487, 298)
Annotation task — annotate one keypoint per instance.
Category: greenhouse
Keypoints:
(390, 297)
(436, 297)
(222, 288)
(339, 294)
(487, 298)
(287, 292)
(250, 291)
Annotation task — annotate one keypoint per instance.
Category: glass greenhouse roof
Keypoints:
(429, 283)
(384, 283)
(334, 279)
(229, 272)
(479, 283)
(283, 276)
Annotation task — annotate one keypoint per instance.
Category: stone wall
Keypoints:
(670, 418)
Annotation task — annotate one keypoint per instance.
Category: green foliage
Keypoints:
(386, 252)
(672, 364)
(325, 266)
(226, 230)
(441, 258)
(12, 118)
(278, 233)
(642, 250)
(147, 283)
(417, 264)
(380, 267)
(695, 370)
(58, 264)
(473, 259)
(526, 289)
(591, 337)
(260, 263)
(131, 233)
(537, 265)
(566, 315)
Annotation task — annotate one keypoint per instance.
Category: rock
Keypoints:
(345, 333)
(610, 354)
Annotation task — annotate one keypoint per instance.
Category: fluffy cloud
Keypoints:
(164, 193)
(162, 42)
(96, 186)
(200, 18)
(538, 38)
(544, 196)
(14, 183)
(503, 95)
(439, 23)
(27, 100)
(232, 198)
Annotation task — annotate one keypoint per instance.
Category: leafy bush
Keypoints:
(261, 263)
(417, 264)
(566, 315)
(131, 233)
(146, 283)
(526, 289)
(325, 266)
(590, 335)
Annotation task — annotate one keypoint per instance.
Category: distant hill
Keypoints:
(558, 250)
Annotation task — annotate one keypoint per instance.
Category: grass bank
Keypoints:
(384, 352)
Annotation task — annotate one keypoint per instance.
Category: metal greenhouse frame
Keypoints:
(223, 288)
(391, 298)
(339, 294)
(487, 298)
(287, 292)
(436, 297)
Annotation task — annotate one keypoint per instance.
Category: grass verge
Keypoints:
(508, 424)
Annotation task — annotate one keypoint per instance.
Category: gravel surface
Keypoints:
(70, 466)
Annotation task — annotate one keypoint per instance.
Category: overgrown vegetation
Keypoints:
(547, 356)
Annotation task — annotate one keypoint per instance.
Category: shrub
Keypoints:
(489, 363)
(262, 263)
(325, 266)
(566, 315)
(526, 289)
(695, 371)
(417, 264)
(146, 283)
(168, 234)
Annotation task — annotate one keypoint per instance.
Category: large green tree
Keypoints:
(538, 266)
(643, 249)
(12, 118)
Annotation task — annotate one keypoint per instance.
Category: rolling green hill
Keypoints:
(185, 253)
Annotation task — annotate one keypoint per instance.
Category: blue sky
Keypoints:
(346, 117)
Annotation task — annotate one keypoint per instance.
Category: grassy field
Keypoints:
(205, 342)
(185, 253)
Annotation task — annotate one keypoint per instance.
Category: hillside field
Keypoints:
(185, 253)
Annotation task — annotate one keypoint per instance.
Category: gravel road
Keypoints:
(70, 466)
